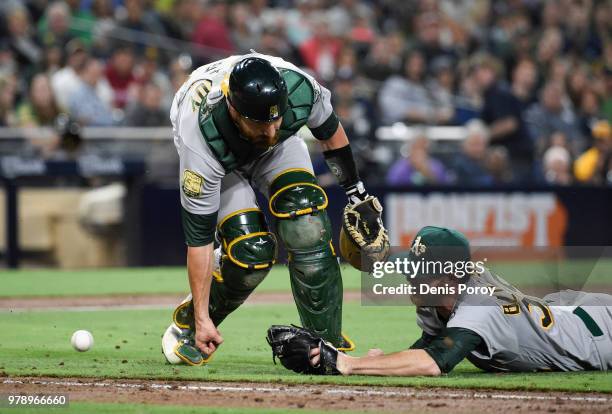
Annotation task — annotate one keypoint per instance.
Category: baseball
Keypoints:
(82, 340)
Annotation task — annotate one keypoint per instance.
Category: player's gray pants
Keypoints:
(598, 309)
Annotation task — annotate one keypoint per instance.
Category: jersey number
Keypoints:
(514, 297)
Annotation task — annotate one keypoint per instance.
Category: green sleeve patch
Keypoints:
(452, 347)
(199, 229)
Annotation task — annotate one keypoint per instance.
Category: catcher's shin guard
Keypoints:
(299, 205)
(247, 254)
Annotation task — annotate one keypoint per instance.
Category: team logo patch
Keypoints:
(418, 248)
(199, 94)
(274, 111)
(192, 183)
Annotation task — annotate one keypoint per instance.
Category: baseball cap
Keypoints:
(439, 244)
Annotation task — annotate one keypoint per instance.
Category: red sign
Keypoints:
(487, 219)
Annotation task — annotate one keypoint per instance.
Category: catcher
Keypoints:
(506, 331)
(235, 124)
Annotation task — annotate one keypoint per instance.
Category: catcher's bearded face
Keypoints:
(262, 134)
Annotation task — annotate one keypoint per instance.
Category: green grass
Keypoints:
(128, 342)
(24, 283)
(114, 408)
(157, 280)
(577, 273)
(128, 346)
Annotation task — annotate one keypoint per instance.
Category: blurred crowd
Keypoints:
(530, 79)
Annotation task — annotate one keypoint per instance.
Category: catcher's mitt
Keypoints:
(363, 238)
(292, 345)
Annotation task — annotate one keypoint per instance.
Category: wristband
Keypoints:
(342, 165)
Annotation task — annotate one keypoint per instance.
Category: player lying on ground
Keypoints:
(506, 331)
(235, 124)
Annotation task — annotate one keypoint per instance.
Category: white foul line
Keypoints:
(87, 308)
(331, 391)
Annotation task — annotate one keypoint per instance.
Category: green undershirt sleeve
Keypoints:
(423, 341)
(451, 347)
(327, 128)
(199, 229)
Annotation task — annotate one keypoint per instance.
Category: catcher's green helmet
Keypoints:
(257, 90)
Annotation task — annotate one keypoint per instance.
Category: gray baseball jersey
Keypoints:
(564, 331)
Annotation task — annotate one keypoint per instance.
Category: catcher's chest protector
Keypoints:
(226, 143)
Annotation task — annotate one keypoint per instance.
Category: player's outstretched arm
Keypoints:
(439, 354)
(412, 362)
(200, 268)
(304, 352)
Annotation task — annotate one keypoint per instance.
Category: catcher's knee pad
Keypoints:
(299, 203)
(246, 241)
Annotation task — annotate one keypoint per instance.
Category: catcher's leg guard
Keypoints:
(247, 254)
(299, 205)
(248, 251)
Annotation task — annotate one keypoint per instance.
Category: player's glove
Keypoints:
(292, 346)
(363, 238)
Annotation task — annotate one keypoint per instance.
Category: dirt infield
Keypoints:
(135, 301)
(322, 397)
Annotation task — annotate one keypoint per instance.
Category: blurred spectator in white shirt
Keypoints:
(86, 105)
(65, 82)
